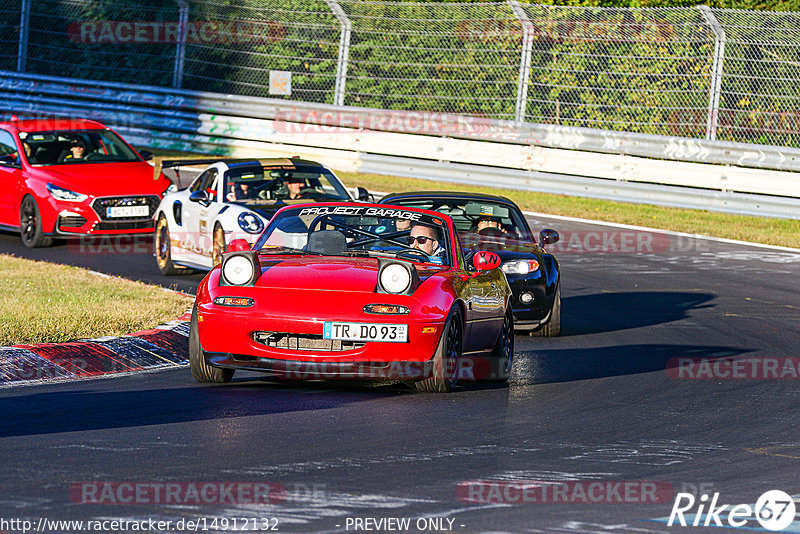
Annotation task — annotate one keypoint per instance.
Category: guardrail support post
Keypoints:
(524, 61)
(716, 71)
(180, 48)
(24, 24)
(344, 51)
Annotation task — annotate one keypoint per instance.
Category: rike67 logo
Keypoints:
(774, 510)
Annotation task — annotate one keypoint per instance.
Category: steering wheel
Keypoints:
(91, 156)
(413, 254)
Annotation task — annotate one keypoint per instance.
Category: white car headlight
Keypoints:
(395, 278)
(238, 270)
(250, 223)
(519, 266)
(59, 193)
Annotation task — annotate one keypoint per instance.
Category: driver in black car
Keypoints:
(424, 238)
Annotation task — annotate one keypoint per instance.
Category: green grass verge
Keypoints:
(45, 303)
(782, 232)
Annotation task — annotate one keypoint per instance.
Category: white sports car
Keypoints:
(234, 200)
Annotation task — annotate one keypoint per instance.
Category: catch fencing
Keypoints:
(699, 73)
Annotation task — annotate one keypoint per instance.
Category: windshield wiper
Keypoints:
(289, 251)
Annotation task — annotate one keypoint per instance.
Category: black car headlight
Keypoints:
(520, 266)
(250, 223)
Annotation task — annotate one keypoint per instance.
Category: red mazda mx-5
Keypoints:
(350, 290)
(70, 177)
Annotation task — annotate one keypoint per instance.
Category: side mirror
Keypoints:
(484, 260)
(362, 194)
(201, 197)
(146, 155)
(9, 161)
(238, 245)
(548, 237)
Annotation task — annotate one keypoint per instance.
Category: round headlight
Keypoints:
(238, 270)
(250, 223)
(395, 278)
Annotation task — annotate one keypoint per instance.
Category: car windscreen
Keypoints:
(358, 231)
(254, 185)
(70, 147)
(476, 217)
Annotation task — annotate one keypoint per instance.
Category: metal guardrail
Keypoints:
(169, 103)
(698, 72)
(555, 159)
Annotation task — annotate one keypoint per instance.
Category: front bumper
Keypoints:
(229, 331)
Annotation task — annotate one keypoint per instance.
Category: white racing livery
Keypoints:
(234, 200)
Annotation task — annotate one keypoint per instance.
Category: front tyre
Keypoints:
(163, 250)
(447, 358)
(30, 225)
(201, 371)
(553, 326)
(503, 352)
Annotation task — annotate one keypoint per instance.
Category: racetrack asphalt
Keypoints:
(596, 404)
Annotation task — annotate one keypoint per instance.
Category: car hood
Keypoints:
(103, 179)
(325, 273)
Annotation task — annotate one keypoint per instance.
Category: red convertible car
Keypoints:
(72, 177)
(351, 290)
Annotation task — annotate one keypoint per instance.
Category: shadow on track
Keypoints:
(564, 365)
(87, 409)
(608, 312)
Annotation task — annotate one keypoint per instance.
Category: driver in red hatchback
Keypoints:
(74, 177)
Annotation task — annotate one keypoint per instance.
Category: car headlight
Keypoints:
(395, 278)
(238, 270)
(520, 266)
(250, 223)
(59, 193)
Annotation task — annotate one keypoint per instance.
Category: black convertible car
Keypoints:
(488, 222)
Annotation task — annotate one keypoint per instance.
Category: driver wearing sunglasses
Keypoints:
(424, 238)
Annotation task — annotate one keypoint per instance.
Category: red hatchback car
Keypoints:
(73, 177)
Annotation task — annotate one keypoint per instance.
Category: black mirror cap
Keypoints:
(146, 155)
(252, 257)
(200, 197)
(362, 194)
(548, 237)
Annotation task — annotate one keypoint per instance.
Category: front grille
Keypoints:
(70, 221)
(290, 341)
(101, 204)
(146, 224)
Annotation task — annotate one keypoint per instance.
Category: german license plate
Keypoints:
(392, 333)
(128, 211)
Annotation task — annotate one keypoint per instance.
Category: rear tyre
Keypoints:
(30, 225)
(553, 327)
(201, 371)
(163, 250)
(503, 353)
(447, 358)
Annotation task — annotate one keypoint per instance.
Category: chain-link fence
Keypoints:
(690, 72)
